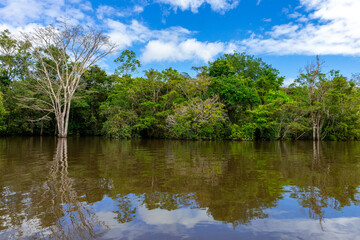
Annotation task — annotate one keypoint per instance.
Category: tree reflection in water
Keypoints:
(326, 184)
(72, 219)
(48, 209)
(236, 185)
(233, 182)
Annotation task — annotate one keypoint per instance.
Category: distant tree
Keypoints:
(197, 119)
(128, 63)
(242, 82)
(14, 59)
(313, 79)
(264, 76)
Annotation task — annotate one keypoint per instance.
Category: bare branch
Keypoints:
(61, 56)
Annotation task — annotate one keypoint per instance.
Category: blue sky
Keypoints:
(184, 33)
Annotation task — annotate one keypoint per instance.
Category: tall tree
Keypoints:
(314, 81)
(61, 56)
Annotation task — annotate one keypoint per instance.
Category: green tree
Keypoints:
(263, 75)
(198, 119)
(331, 101)
(128, 63)
(3, 113)
(86, 117)
(14, 59)
(313, 80)
(238, 93)
(342, 108)
(279, 117)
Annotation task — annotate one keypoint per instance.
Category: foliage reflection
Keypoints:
(234, 182)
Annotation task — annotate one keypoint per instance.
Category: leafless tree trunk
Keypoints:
(61, 56)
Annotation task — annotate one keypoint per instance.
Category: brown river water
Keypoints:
(97, 188)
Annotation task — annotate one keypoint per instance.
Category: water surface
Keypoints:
(96, 188)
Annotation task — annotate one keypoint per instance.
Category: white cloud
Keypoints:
(18, 13)
(193, 5)
(330, 27)
(125, 35)
(25, 29)
(189, 49)
(171, 44)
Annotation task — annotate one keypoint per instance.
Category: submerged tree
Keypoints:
(61, 56)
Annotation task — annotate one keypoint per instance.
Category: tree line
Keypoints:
(50, 85)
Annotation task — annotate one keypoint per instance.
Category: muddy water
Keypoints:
(96, 188)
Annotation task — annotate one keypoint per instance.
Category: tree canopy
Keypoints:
(236, 96)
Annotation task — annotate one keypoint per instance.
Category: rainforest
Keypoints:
(235, 97)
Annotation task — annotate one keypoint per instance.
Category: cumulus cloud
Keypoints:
(193, 5)
(124, 35)
(329, 27)
(16, 30)
(171, 44)
(189, 49)
(18, 13)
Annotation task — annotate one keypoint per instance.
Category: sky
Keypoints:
(287, 34)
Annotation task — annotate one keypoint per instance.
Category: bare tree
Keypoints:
(61, 56)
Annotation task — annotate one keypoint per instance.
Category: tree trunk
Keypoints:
(314, 129)
(62, 119)
(62, 131)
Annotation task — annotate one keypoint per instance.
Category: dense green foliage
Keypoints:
(237, 97)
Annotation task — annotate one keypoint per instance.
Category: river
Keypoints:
(98, 188)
